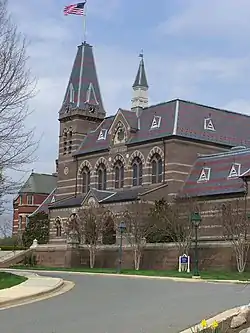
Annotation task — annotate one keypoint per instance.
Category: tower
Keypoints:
(140, 87)
(81, 112)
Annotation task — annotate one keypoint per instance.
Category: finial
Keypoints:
(141, 54)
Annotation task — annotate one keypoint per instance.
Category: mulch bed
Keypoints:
(224, 327)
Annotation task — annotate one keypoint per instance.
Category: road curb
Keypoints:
(219, 318)
(176, 279)
(28, 298)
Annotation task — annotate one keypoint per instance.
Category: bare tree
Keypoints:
(172, 221)
(138, 227)
(234, 222)
(88, 226)
(5, 228)
(17, 143)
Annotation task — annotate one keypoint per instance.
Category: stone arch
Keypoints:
(118, 157)
(58, 226)
(135, 154)
(117, 126)
(153, 151)
(101, 160)
(84, 164)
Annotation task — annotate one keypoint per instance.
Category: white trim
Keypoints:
(204, 175)
(80, 78)
(156, 122)
(208, 124)
(176, 115)
(102, 134)
(234, 171)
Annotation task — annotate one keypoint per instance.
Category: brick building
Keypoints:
(33, 193)
(146, 152)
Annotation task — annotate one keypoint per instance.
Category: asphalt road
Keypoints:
(102, 304)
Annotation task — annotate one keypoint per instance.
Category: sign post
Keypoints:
(184, 263)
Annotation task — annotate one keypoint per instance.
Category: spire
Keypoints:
(141, 79)
(140, 87)
(83, 91)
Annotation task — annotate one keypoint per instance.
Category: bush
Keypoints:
(12, 248)
(37, 228)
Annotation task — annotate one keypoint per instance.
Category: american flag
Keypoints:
(76, 9)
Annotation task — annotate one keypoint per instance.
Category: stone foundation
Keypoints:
(212, 256)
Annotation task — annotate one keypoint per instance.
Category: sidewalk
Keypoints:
(34, 287)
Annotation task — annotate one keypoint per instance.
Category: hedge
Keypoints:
(12, 248)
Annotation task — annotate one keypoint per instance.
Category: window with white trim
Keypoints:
(204, 175)
(156, 123)
(102, 134)
(208, 124)
(20, 221)
(234, 171)
(29, 199)
(71, 93)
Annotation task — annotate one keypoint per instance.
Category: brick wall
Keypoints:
(217, 256)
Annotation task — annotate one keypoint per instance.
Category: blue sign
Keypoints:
(184, 260)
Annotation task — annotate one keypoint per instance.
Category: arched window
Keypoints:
(119, 174)
(85, 180)
(102, 177)
(156, 164)
(137, 171)
(58, 227)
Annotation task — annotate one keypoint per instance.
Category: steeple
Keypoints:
(83, 91)
(140, 87)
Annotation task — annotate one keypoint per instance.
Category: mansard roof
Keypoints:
(177, 118)
(39, 183)
(83, 87)
(218, 174)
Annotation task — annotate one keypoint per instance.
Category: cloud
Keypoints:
(224, 18)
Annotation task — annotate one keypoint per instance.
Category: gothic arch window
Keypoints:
(137, 171)
(102, 177)
(58, 227)
(85, 180)
(156, 164)
(119, 174)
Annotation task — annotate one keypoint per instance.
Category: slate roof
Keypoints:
(181, 119)
(104, 197)
(141, 79)
(44, 207)
(74, 201)
(39, 183)
(219, 182)
(84, 81)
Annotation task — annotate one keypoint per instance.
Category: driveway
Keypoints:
(102, 304)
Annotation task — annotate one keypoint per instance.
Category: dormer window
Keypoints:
(102, 134)
(234, 171)
(208, 124)
(156, 123)
(71, 93)
(204, 175)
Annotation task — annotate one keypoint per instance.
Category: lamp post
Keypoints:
(122, 228)
(196, 220)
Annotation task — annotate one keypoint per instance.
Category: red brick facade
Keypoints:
(24, 205)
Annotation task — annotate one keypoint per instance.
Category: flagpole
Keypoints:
(84, 23)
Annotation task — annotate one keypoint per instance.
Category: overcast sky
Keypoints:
(195, 50)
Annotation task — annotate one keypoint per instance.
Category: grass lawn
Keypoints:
(8, 280)
(208, 275)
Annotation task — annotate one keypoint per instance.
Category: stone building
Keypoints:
(148, 152)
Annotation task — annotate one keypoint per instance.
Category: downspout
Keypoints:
(164, 159)
(76, 175)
